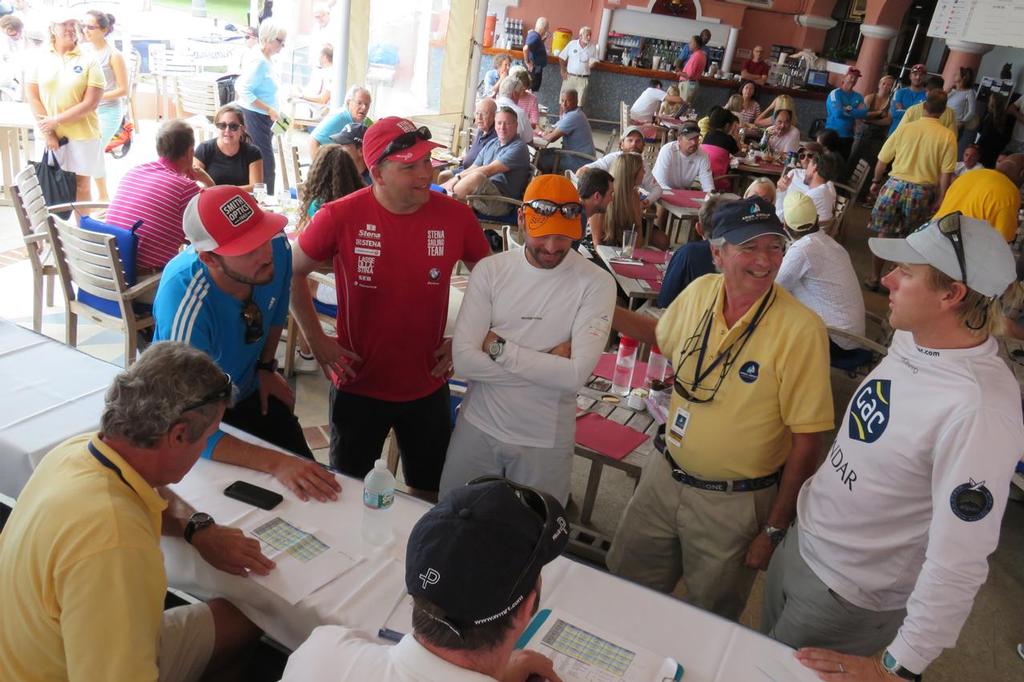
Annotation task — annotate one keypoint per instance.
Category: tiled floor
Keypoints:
(985, 650)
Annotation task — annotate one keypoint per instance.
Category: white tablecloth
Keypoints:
(50, 393)
(711, 649)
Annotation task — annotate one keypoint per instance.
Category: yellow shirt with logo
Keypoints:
(81, 571)
(778, 385)
(987, 195)
(916, 113)
(63, 80)
(920, 151)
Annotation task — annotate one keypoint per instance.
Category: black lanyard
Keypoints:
(102, 459)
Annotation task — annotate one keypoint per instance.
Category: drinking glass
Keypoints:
(259, 192)
(628, 243)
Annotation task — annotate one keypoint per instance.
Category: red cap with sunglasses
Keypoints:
(396, 139)
(228, 222)
(551, 205)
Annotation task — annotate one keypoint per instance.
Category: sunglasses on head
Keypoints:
(404, 141)
(546, 208)
(221, 394)
(807, 155)
(949, 226)
(252, 316)
(221, 125)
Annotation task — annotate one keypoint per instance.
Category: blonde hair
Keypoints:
(981, 314)
(757, 184)
(668, 108)
(734, 103)
(624, 211)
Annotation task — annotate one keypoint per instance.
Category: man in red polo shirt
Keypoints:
(393, 247)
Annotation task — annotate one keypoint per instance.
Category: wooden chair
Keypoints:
(834, 227)
(613, 142)
(200, 98)
(90, 262)
(134, 66)
(558, 155)
(623, 116)
(293, 332)
(32, 212)
(165, 66)
(296, 166)
(496, 223)
(278, 143)
(858, 178)
(441, 131)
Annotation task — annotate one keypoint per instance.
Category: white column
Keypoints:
(602, 34)
(340, 14)
(730, 49)
(473, 76)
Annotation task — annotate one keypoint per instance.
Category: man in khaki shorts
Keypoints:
(81, 569)
(751, 394)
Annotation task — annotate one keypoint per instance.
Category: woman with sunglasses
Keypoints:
(95, 28)
(63, 89)
(257, 95)
(231, 158)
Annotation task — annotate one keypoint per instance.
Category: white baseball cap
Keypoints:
(988, 260)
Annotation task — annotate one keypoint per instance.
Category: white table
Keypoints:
(50, 393)
(16, 121)
(710, 648)
(636, 289)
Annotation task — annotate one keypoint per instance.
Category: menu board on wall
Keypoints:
(992, 22)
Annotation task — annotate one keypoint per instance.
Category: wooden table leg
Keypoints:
(590, 496)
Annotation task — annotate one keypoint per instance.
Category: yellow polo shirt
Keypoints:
(920, 151)
(81, 571)
(987, 195)
(63, 80)
(778, 384)
(916, 113)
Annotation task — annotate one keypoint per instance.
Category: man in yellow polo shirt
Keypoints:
(923, 158)
(81, 571)
(751, 394)
(992, 195)
(916, 112)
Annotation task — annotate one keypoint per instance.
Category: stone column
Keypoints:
(874, 53)
(962, 53)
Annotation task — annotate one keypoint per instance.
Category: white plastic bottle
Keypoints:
(625, 361)
(378, 496)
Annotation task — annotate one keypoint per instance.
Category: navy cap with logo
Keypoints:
(740, 221)
(689, 130)
(478, 553)
(350, 134)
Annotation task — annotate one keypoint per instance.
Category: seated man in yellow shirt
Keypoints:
(992, 195)
(914, 113)
(751, 394)
(81, 571)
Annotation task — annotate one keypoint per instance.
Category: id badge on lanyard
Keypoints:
(677, 426)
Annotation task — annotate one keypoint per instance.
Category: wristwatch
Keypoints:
(495, 348)
(775, 534)
(197, 522)
(891, 665)
(268, 366)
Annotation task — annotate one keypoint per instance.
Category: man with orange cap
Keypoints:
(531, 328)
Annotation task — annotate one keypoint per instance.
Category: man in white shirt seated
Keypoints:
(818, 272)
(783, 136)
(682, 163)
(509, 91)
(530, 330)
(971, 161)
(893, 532)
(815, 180)
(647, 104)
(472, 566)
(631, 141)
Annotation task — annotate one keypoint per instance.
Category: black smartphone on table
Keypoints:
(254, 495)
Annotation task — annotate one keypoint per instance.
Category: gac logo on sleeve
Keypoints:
(869, 411)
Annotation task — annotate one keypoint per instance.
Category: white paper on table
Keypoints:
(298, 574)
(583, 653)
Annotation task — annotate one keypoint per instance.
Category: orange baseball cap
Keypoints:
(557, 190)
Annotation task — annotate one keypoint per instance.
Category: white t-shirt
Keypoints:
(907, 506)
(578, 58)
(648, 184)
(338, 654)
(818, 272)
(823, 196)
(961, 168)
(528, 396)
(646, 105)
(524, 127)
(675, 170)
(785, 143)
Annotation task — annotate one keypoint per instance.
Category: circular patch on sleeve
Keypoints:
(971, 501)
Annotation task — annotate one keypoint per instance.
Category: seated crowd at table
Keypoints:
(874, 542)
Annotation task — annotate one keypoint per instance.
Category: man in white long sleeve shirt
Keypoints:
(683, 161)
(631, 141)
(531, 328)
(894, 530)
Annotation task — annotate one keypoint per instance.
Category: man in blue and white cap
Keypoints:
(894, 530)
(473, 567)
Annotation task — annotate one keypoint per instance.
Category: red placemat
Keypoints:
(606, 368)
(609, 438)
(686, 198)
(650, 255)
(648, 271)
(763, 167)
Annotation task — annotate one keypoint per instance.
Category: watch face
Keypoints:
(200, 519)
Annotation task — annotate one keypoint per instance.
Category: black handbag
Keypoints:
(58, 185)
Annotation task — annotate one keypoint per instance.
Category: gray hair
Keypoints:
(151, 396)
(510, 86)
(759, 182)
(351, 93)
(270, 30)
(707, 212)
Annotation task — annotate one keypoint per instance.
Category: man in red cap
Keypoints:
(906, 97)
(227, 295)
(393, 247)
(531, 328)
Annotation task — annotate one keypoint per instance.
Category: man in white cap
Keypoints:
(893, 532)
(631, 141)
(227, 295)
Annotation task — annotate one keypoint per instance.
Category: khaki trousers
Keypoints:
(671, 530)
(579, 84)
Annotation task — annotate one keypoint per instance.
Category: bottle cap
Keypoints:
(625, 341)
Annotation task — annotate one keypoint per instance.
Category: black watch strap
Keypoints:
(268, 366)
(197, 522)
